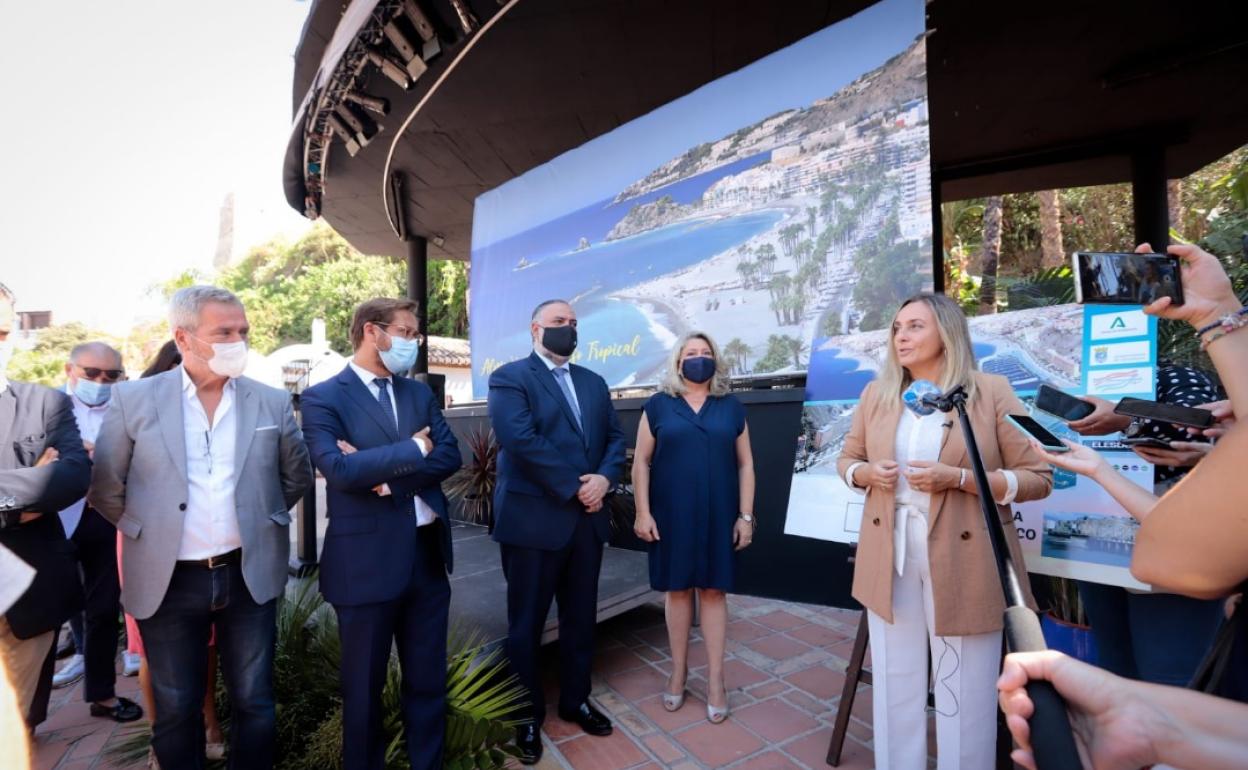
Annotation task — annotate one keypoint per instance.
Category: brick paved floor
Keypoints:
(785, 669)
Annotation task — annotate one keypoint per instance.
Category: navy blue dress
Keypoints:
(694, 493)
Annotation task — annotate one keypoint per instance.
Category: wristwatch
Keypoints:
(746, 517)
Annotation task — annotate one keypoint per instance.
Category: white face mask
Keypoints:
(229, 359)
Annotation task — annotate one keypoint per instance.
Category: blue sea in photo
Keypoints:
(606, 268)
(560, 237)
(833, 377)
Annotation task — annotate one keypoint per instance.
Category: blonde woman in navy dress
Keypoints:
(693, 481)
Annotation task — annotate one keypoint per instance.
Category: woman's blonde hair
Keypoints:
(673, 383)
(959, 354)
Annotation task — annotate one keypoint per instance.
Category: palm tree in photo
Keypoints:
(811, 212)
(788, 237)
(805, 250)
(738, 352)
(797, 348)
(767, 258)
(782, 283)
(745, 269)
(799, 306)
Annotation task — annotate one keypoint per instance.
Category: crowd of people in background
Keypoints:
(170, 497)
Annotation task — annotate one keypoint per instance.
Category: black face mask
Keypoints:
(560, 340)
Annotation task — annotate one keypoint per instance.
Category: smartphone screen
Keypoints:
(1027, 424)
(1146, 441)
(1174, 413)
(1106, 278)
(1055, 402)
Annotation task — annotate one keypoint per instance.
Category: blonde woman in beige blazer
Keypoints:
(924, 570)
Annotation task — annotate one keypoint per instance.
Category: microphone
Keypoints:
(916, 397)
(944, 401)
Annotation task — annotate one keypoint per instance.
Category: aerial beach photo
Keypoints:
(770, 234)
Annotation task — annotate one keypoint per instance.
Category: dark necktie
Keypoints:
(383, 398)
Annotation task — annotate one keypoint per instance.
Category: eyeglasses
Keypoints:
(112, 375)
(401, 331)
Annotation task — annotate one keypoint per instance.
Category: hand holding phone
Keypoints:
(1119, 278)
(1208, 293)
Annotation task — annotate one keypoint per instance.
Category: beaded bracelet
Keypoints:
(1228, 325)
(1228, 322)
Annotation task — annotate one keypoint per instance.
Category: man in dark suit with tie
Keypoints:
(561, 451)
(380, 440)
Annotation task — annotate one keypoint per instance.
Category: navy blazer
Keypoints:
(543, 454)
(370, 544)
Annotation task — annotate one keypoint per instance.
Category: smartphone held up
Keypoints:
(1120, 278)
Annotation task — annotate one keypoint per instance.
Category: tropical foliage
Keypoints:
(286, 285)
(1014, 257)
(482, 702)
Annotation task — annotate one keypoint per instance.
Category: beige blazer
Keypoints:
(965, 586)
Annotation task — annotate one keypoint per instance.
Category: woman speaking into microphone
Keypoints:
(925, 570)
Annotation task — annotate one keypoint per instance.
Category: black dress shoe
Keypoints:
(589, 718)
(124, 710)
(529, 741)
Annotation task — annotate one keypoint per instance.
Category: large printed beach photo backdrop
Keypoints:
(776, 207)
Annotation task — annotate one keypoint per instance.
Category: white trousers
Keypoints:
(964, 675)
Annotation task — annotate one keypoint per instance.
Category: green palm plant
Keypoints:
(482, 703)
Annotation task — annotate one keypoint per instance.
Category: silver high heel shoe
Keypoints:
(674, 702)
(715, 714)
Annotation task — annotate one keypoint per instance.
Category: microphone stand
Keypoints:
(1052, 741)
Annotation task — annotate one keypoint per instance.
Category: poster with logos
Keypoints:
(1078, 531)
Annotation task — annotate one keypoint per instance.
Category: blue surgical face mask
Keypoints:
(401, 356)
(698, 369)
(917, 390)
(92, 393)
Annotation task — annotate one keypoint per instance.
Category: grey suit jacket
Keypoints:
(34, 418)
(140, 483)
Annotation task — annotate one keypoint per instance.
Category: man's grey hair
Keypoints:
(99, 348)
(188, 303)
(538, 310)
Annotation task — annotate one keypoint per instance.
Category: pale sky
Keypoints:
(126, 124)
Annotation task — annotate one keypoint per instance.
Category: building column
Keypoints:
(1149, 199)
(418, 289)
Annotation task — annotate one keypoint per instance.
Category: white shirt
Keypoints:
(210, 525)
(919, 438)
(424, 514)
(89, 419)
(552, 366)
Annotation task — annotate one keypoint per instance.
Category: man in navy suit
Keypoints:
(561, 451)
(384, 449)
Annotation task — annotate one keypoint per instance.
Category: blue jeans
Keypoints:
(175, 640)
(1158, 638)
